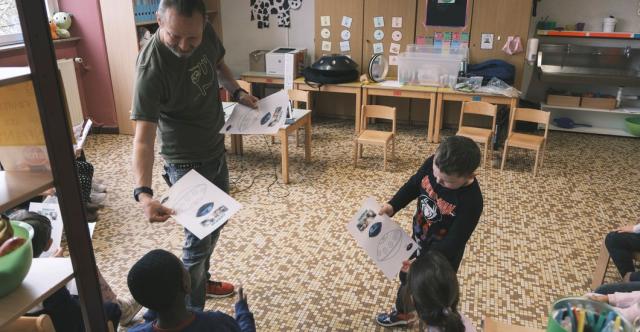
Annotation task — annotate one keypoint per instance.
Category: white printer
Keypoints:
(275, 60)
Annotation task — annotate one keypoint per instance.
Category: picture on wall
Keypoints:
(446, 13)
(261, 10)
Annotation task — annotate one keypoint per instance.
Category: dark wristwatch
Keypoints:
(236, 93)
(140, 190)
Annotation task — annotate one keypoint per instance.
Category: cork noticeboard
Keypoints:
(19, 116)
(405, 28)
(336, 10)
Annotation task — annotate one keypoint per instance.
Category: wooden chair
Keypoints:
(40, 323)
(297, 97)
(245, 85)
(375, 137)
(477, 134)
(602, 264)
(527, 141)
(492, 325)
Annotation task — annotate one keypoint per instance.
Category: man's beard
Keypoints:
(179, 54)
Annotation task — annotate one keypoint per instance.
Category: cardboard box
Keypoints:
(598, 103)
(567, 101)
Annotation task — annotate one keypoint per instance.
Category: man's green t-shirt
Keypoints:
(182, 96)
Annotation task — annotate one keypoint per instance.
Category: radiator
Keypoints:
(67, 69)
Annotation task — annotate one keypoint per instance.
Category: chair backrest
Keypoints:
(297, 96)
(479, 108)
(245, 85)
(531, 115)
(378, 112)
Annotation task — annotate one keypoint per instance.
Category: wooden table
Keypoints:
(354, 88)
(394, 89)
(447, 94)
(261, 77)
(18, 186)
(302, 120)
(45, 277)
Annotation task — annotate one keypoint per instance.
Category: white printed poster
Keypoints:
(52, 212)
(385, 242)
(200, 206)
(268, 118)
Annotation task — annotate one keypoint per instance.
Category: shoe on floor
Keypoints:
(94, 206)
(219, 289)
(393, 318)
(98, 188)
(98, 198)
(129, 308)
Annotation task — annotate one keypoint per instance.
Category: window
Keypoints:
(10, 31)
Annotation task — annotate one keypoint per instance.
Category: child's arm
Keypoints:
(623, 300)
(410, 190)
(244, 317)
(461, 229)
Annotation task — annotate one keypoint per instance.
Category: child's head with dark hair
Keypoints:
(434, 289)
(455, 161)
(159, 281)
(41, 230)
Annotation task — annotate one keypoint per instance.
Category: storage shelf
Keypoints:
(11, 75)
(590, 34)
(617, 110)
(19, 186)
(46, 276)
(594, 130)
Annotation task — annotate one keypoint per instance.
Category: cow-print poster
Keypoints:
(261, 9)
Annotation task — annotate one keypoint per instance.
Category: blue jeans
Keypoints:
(196, 253)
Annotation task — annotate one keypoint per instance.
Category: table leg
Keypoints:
(437, 123)
(284, 148)
(433, 100)
(358, 109)
(307, 139)
(239, 145)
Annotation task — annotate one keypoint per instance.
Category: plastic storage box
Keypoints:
(427, 65)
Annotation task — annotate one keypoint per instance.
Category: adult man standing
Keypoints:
(177, 94)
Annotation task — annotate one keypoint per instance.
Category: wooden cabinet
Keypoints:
(502, 18)
(121, 38)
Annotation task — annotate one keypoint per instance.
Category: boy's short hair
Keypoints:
(41, 229)
(457, 156)
(156, 279)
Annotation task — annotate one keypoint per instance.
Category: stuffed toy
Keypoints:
(53, 28)
(63, 23)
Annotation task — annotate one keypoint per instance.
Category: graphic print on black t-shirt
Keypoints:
(202, 75)
(431, 210)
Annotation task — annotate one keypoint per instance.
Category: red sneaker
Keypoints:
(219, 289)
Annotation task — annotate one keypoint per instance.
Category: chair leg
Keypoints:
(393, 148)
(535, 163)
(355, 154)
(298, 137)
(486, 151)
(504, 156)
(385, 157)
(544, 149)
(360, 150)
(273, 140)
(601, 267)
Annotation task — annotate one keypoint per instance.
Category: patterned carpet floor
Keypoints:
(537, 240)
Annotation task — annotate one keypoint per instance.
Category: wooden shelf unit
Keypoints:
(45, 277)
(604, 122)
(17, 187)
(47, 87)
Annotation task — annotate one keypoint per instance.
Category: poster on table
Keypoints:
(385, 242)
(268, 118)
(200, 206)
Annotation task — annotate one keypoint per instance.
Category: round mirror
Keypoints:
(378, 68)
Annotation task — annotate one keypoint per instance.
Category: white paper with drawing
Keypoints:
(384, 241)
(200, 206)
(51, 211)
(267, 119)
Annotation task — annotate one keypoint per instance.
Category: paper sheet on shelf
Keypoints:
(200, 206)
(385, 242)
(51, 211)
(267, 119)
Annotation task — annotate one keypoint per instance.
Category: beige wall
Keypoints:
(241, 35)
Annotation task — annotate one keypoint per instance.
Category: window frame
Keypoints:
(17, 38)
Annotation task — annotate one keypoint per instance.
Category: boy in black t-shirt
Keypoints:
(449, 205)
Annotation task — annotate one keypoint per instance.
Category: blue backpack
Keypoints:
(493, 68)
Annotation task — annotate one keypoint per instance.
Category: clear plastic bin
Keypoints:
(427, 65)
